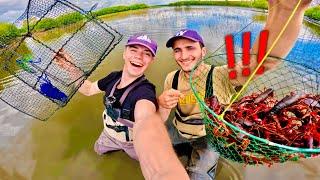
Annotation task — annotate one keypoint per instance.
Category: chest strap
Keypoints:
(127, 91)
(175, 80)
(209, 91)
(209, 87)
(125, 121)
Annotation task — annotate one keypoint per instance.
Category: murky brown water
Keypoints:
(62, 147)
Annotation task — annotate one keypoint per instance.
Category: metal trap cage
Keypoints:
(34, 84)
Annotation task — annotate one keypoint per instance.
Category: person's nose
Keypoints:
(184, 55)
(139, 55)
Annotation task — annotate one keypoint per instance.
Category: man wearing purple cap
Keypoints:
(187, 130)
(130, 120)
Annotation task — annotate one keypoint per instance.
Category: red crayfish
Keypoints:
(292, 121)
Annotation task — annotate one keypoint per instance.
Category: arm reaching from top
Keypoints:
(278, 15)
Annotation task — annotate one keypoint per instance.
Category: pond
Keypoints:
(62, 147)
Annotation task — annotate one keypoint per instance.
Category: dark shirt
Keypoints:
(145, 90)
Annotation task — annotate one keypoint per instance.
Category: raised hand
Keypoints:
(289, 4)
(64, 60)
(169, 99)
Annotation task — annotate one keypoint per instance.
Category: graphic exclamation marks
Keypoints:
(230, 56)
(246, 45)
(263, 42)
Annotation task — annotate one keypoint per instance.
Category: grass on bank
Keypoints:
(63, 20)
(313, 13)
(67, 19)
(116, 9)
(261, 4)
(8, 31)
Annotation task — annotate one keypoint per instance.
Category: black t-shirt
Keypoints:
(145, 90)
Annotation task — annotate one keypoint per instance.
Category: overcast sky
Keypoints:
(10, 10)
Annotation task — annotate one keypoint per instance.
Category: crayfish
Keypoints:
(292, 121)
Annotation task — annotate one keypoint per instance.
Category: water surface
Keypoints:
(62, 147)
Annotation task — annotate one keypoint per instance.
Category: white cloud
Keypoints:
(10, 2)
(11, 9)
(6, 5)
(10, 15)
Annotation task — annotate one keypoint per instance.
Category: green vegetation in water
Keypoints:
(8, 32)
(63, 20)
(313, 13)
(116, 9)
(55, 33)
(261, 4)
(124, 14)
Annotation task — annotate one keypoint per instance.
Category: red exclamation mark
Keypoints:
(263, 42)
(230, 56)
(246, 44)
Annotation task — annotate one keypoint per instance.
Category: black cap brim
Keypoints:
(171, 40)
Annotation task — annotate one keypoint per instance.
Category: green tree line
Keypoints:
(261, 4)
(9, 31)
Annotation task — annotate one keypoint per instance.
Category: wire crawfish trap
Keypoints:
(34, 84)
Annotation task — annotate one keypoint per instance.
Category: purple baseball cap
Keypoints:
(185, 33)
(144, 40)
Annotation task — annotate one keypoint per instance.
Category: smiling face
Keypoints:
(187, 53)
(137, 58)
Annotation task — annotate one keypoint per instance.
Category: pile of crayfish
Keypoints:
(293, 121)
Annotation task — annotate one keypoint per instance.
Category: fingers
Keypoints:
(67, 57)
(60, 61)
(64, 55)
(59, 57)
(170, 98)
(175, 93)
(169, 104)
(172, 104)
(289, 4)
(63, 59)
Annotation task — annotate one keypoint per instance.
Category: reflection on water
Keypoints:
(15, 138)
(62, 148)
